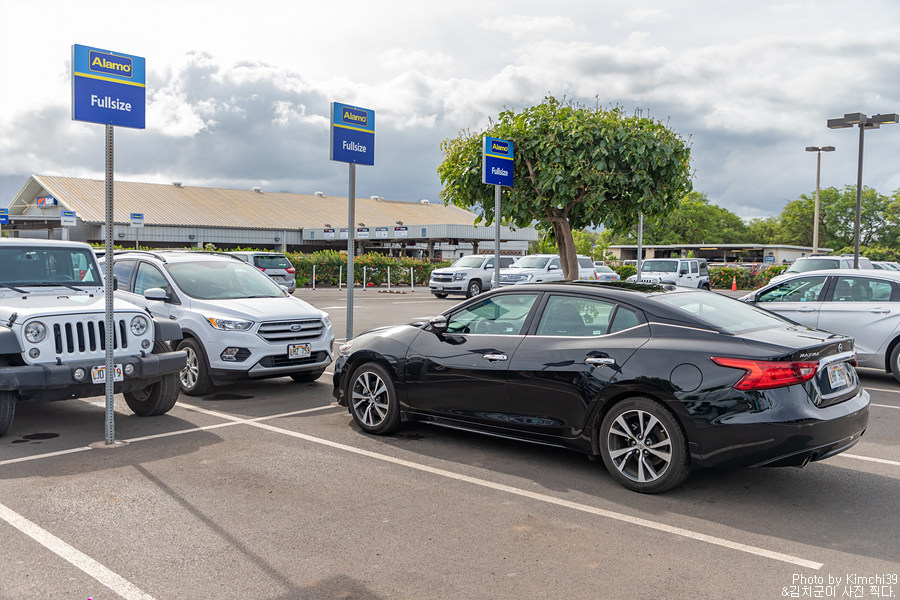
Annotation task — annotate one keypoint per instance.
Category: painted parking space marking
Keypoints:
(79, 559)
(883, 461)
(686, 533)
(874, 389)
(885, 406)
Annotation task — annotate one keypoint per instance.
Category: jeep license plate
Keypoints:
(98, 374)
(298, 351)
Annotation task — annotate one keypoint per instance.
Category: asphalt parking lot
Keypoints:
(266, 490)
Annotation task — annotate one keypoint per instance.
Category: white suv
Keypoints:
(469, 275)
(237, 322)
(817, 263)
(540, 268)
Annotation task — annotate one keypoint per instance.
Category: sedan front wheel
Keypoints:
(643, 446)
(373, 400)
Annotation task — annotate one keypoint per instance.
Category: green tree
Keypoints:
(575, 167)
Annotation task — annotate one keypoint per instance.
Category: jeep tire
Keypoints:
(7, 410)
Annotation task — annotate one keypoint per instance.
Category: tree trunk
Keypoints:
(566, 244)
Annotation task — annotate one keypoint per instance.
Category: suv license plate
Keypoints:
(98, 374)
(837, 377)
(298, 351)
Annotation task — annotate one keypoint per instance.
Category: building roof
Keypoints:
(163, 204)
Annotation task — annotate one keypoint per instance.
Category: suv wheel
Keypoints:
(194, 378)
(7, 410)
(474, 288)
(439, 295)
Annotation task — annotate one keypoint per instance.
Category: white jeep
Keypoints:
(687, 272)
(53, 336)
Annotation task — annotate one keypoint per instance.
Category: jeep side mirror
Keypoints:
(156, 293)
(683, 271)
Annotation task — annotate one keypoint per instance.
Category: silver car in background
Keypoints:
(862, 303)
(274, 264)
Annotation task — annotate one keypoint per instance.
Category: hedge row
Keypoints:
(331, 267)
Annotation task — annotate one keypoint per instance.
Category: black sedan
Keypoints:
(656, 381)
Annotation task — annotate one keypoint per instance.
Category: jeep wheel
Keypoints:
(7, 410)
(474, 288)
(156, 399)
(194, 378)
(306, 376)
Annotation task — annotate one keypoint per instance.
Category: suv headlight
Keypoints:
(459, 275)
(35, 332)
(139, 325)
(229, 324)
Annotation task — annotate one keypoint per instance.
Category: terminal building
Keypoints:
(178, 216)
(773, 254)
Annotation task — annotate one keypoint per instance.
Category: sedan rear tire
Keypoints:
(643, 446)
(895, 362)
(373, 400)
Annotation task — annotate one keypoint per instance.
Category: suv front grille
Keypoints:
(87, 336)
(442, 277)
(291, 331)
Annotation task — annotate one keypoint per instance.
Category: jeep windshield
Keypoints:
(659, 266)
(223, 280)
(27, 265)
(469, 262)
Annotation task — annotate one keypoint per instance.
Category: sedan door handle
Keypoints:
(494, 357)
(600, 362)
(806, 309)
(880, 310)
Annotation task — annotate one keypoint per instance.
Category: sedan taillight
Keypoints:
(768, 374)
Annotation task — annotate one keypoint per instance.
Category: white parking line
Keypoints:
(113, 581)
(885, 406)
(794, 560)
(883, 461)
(874, 389)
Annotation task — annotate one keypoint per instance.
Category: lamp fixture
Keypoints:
(192, 236)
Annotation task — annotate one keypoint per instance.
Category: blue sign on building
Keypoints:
(108, 87)
(497, 162)
(4, 216)
(352, 134)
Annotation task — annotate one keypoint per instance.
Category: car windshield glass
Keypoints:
(21, 265)
(220, 280)
(726, 313)
(469, 262)
(813, 264)
(663, 266)
(530, 262)
(272, 262)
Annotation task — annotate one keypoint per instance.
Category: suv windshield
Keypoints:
(530, 262)
(468, 262)
(21, 265)
(271, 262)
(813, 264)
(660, 266)
(218, 280)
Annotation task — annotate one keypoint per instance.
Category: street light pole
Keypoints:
(819, 152)
(864, 122)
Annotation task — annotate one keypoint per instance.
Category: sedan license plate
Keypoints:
(98, 374)
(837, 376)
(298, 351)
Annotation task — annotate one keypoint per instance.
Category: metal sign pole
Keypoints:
(351, 241)
(109, 318)
(496, 284)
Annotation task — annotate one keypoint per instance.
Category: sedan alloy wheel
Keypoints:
(373, 401)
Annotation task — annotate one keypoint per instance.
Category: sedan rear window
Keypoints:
(271, 262)
(727, 314)
(813, 264)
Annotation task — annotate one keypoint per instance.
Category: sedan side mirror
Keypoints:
(438, 324)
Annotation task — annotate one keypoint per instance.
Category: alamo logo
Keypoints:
(354, 116)
(110, 64)
(499, 147)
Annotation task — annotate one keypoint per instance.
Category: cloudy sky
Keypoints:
(238, 92)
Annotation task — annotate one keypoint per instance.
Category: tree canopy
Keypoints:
(575, 167)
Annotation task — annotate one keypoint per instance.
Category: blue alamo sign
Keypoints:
(108, 87)
(352, 134)
(497, 162)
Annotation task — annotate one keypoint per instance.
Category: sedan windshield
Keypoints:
(530, 262)
(659, 266)
(219, 280)
(726, 313)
